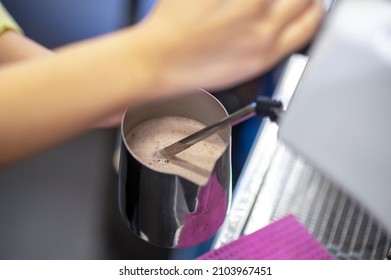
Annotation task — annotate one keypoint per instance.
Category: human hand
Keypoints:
(217, 43)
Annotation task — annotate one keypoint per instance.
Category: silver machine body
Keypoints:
(329, 161)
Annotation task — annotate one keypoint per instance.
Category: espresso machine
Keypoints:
(332, 175)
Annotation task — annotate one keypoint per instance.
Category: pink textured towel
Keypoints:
(285, 239)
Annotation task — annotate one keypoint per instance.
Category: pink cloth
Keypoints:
(285, 239)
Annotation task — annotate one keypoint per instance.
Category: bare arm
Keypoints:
(48, 100)
(15, 46)
(45, 101)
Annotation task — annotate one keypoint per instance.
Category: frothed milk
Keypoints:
(195, 164)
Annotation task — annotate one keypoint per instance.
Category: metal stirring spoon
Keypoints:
(263, 106)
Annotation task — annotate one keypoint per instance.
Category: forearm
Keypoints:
(15, 46)
(48, 100)
(45, 101)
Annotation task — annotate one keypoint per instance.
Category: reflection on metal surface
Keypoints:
(275, 182)
(165, 209)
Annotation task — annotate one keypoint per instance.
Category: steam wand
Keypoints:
(263, 106)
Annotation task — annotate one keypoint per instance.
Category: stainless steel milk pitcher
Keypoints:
(168, 210)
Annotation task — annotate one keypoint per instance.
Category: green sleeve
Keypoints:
(6, 21)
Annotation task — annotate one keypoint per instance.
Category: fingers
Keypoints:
(300, 30)
(282, 12)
